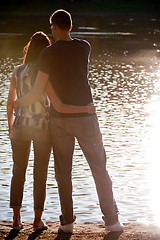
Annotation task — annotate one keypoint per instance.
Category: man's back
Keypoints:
(66, 62)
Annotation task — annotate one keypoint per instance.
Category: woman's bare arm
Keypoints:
(10, 101)
(65, 108)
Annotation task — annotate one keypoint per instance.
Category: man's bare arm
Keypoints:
(42, 84)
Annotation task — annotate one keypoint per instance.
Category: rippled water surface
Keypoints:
(124, 74)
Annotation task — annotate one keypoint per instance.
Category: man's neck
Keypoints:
(64, 37)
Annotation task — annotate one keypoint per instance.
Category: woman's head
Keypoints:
(37, 43)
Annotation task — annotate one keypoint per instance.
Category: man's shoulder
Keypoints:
(47, 51)
(82, 41)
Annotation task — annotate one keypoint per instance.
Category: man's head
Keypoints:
(62, 19)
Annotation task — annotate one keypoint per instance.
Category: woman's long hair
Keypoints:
(37, 43)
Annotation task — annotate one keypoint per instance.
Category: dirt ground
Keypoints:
(82, 231)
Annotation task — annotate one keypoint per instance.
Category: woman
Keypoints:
(31, 124)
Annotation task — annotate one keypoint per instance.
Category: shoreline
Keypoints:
(80, 14)
(82, 231)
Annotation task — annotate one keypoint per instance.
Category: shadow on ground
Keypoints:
(112, 235)
(14, 233)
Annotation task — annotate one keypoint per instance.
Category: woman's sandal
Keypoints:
(18, 227)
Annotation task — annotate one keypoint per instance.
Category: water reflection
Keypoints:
(153, 155)
(123, 80)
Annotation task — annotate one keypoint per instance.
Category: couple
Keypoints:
(61, 72)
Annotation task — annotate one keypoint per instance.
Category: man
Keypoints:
(65, 65)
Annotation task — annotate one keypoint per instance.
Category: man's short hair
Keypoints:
(62, 18)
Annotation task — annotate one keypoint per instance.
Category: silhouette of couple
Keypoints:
(54, 106)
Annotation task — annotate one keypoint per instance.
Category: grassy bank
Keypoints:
(77, 6)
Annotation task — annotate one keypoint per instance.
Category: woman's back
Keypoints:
(36, 114)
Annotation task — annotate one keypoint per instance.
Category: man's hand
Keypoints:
(91, 108)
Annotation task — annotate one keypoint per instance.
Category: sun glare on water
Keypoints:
(153, 155)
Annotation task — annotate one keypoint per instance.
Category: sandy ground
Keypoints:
(82, 231)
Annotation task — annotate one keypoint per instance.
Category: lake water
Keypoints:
(124, 74)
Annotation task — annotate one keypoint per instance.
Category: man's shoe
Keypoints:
(117, 227)
(68, 228)
(40, 228)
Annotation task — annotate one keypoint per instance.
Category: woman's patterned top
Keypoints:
(35, 115)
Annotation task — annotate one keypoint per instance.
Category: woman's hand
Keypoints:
(91, 108)
(9, 132)
(15, 105)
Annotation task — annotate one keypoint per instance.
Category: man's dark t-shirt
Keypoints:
(66, 63)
